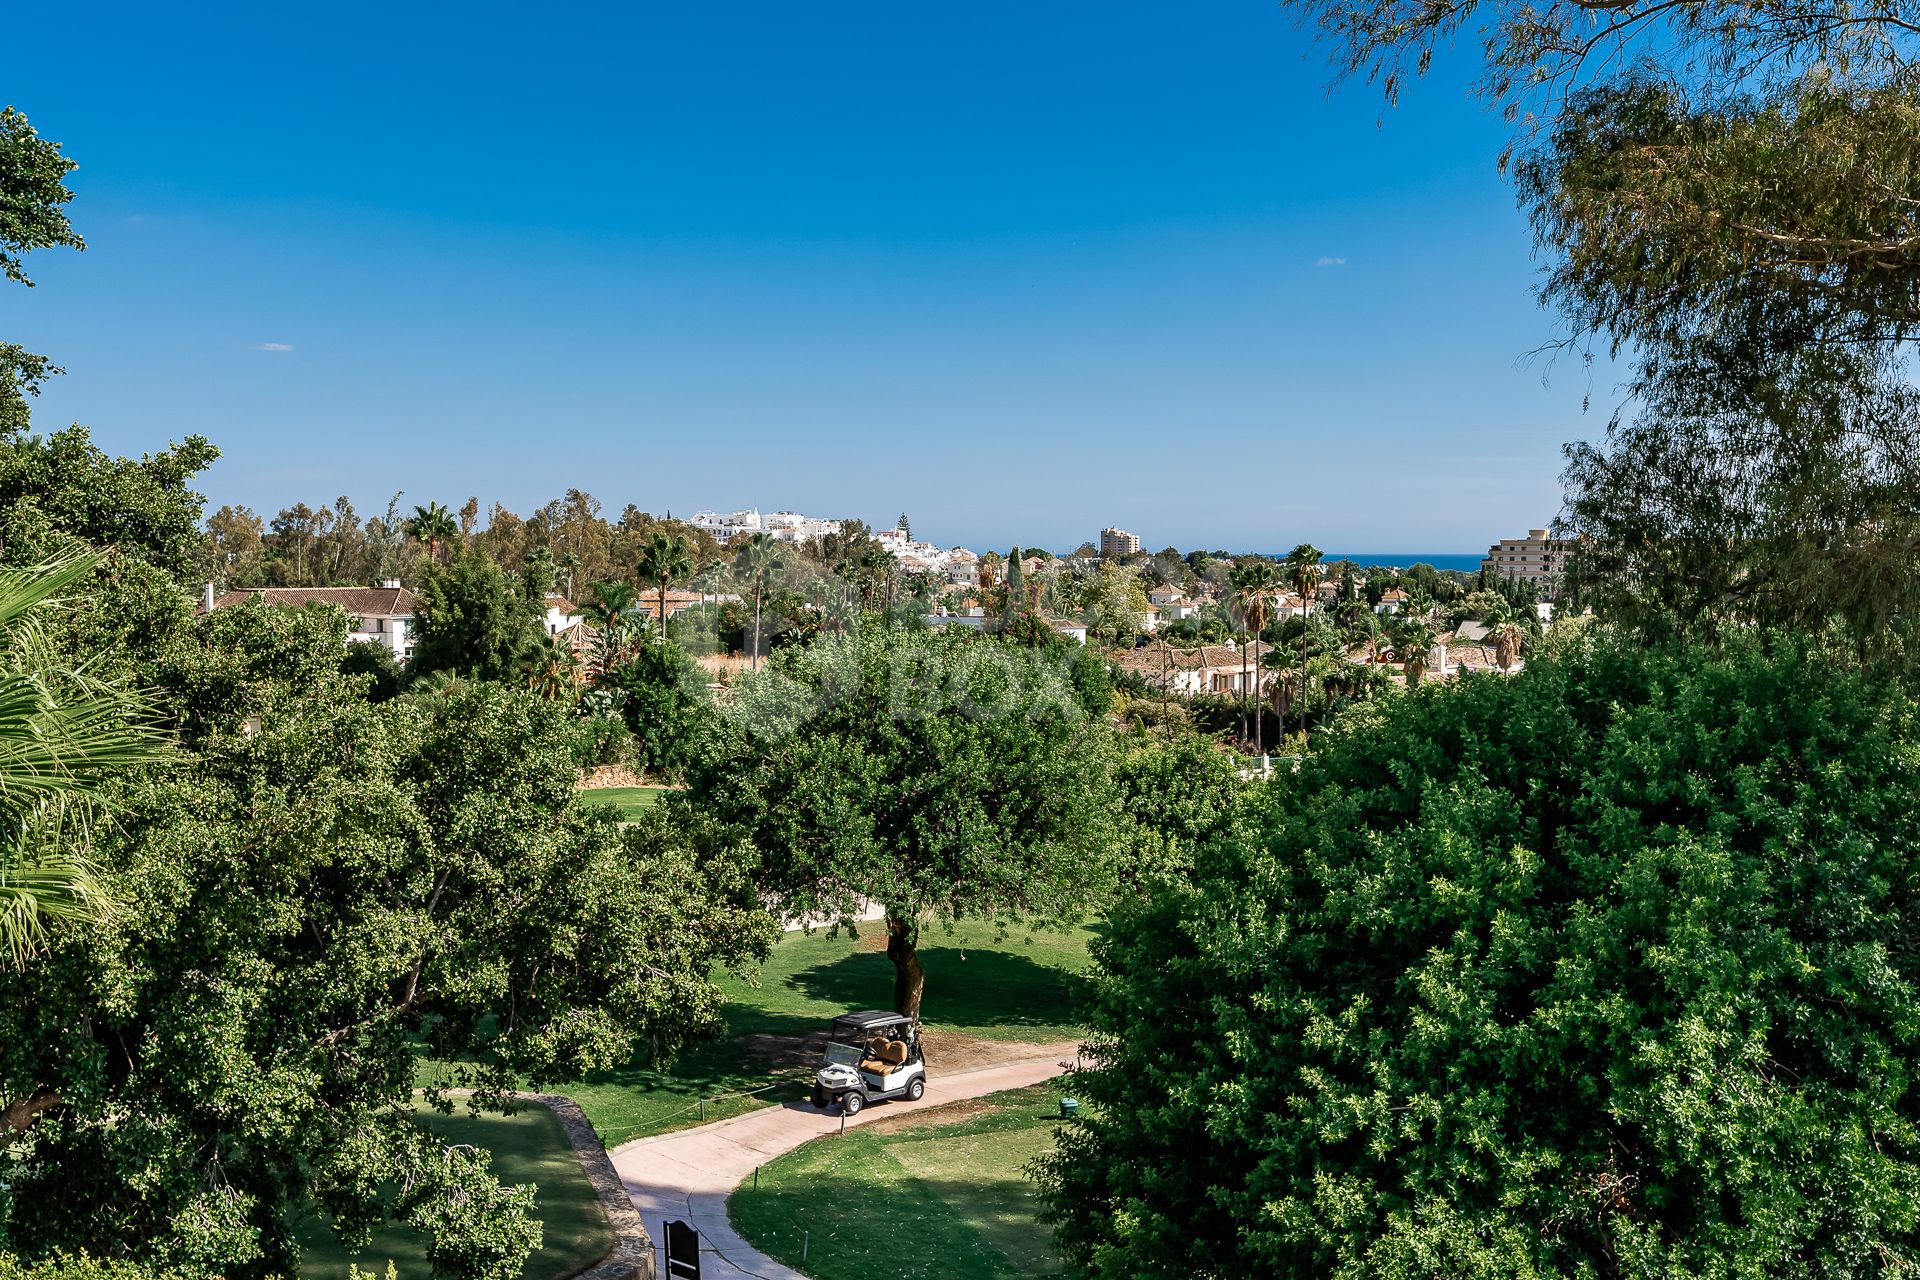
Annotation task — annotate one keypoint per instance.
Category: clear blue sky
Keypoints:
(1018, 269)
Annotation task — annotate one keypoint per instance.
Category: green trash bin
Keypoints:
(1069, 1108)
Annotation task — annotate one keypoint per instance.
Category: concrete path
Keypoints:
(689, 1174)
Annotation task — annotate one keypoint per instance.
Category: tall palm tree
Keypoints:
(1252, 598)
(1304, 570)
(433, 524)
(606, 610)
(63, 735)
(664, 560)
(758, 564)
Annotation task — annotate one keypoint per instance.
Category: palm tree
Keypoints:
(758, 563)
(1412, 639)
(433, 524)
(571, 564)
(1509, 638)
(1252, 595)
(606, 609)
(550, 667)
(664, 560)
(63, 735)
(1304, 571)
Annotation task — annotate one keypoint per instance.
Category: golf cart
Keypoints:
(872, 1056)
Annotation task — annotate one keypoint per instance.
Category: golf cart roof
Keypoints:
(867, 1019)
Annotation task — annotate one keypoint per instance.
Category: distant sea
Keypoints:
(1461, 563)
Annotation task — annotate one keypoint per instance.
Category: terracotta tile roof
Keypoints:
(1219, 657)
(561, 603)
(648, 602)
(365, 602)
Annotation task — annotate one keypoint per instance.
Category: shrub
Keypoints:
(1606, 970)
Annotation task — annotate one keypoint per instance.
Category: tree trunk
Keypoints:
(663, 610)
(1303, 678)
(909, 979)
(756, 630)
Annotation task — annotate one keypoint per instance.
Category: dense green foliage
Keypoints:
(938, 774)
(315, 886)
(33, 200)
(475, 619)
(663, 697)
(1604, 970)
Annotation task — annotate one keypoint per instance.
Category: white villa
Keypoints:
(1213, 668)
(375, 615)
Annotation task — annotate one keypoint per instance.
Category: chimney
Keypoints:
(206, 598)
(391, 583)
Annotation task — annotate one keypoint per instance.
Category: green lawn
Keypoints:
(630, 800)
(937, 1200)
(1016, 987)
(529, 1146)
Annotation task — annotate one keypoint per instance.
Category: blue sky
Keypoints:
(1020, 270)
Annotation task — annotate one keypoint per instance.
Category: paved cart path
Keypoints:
(689, 1174)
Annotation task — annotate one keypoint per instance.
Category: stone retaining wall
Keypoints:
(631, 1257)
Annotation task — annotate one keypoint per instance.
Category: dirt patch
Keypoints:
(946, 1113)
(955, 1051)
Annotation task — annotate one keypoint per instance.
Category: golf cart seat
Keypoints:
(887, 1055)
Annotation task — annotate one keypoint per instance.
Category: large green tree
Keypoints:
(1598, 971)
(33, 215)
(317, 889)
(939, 775)
(1724, 195)
(475, 619)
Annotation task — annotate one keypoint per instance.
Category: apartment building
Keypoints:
(1118, 542)
(1536, 558)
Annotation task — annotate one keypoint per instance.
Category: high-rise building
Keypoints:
(1535, 558)
(1118, 542)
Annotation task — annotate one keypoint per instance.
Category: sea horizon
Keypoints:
(1458, 562)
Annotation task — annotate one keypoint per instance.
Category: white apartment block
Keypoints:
(1118, 542)
(1536, 558)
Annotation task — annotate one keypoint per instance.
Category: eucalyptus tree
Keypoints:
(1723, 194)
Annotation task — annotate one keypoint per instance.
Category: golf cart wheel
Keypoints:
(917, 1089)
(851, 1103)
(819, 1097)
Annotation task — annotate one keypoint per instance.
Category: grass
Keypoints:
(937, 1200)
(629, 800)
(1013, 987)
(529, 1146)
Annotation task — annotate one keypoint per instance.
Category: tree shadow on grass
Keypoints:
(966, 987)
